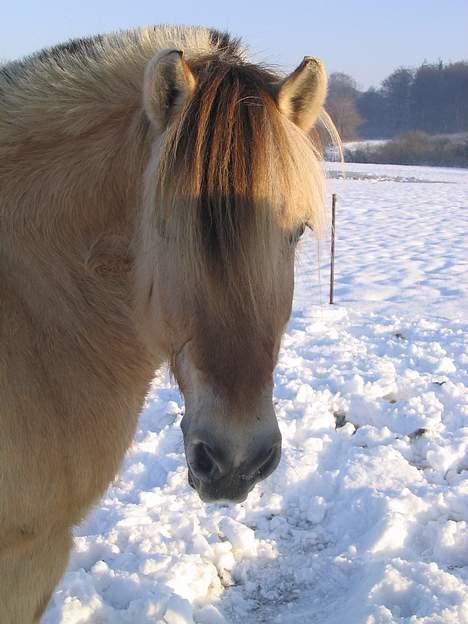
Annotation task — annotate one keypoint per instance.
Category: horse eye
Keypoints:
(294, 238)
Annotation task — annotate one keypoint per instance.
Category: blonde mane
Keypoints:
(233, 179)
(77, 86)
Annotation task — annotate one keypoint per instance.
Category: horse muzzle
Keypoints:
(215, 476)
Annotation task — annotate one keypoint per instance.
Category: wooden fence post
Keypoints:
(332, 265)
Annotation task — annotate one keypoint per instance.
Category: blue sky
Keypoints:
(363, 38)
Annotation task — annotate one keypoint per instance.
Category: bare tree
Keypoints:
(341, 105)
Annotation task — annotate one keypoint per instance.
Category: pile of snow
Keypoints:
(365, 519)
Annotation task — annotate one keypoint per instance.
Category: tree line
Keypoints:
(432, 98)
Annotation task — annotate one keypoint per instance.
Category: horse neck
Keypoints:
(67, 211)
(64, 191)
(67, 215)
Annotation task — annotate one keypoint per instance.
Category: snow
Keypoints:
(364, 145)
(365, 519)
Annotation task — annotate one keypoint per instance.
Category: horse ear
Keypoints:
(302, 94)
(168, 83)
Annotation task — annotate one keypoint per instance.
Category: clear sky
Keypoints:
(367, 39)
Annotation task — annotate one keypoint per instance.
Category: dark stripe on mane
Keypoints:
(95, 47)
(84, 49)
(225, 44)
(219, 150)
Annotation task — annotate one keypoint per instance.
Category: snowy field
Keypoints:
(365, 520)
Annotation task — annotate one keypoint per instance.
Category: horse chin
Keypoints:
(207, 497)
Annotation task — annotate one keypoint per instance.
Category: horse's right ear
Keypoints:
(167, 86)
(302, 94)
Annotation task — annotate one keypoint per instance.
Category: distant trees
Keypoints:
(396, 97)
(439, 101)
(371, 105)
(432, 98)
(341, 105)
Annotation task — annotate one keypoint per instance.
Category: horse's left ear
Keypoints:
(167, 86)
(302, 94)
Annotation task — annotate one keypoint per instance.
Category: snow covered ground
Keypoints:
(365, 520)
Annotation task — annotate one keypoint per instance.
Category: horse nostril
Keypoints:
(270, 461)
(204, 464)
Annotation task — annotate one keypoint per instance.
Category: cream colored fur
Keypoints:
(74, 145)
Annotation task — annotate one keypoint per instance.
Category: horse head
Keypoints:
(232, 180)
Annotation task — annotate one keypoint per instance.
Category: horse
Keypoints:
(154, 184)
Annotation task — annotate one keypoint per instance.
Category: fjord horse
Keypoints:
(153, 186)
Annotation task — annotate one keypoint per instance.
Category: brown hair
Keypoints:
(235, 176)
